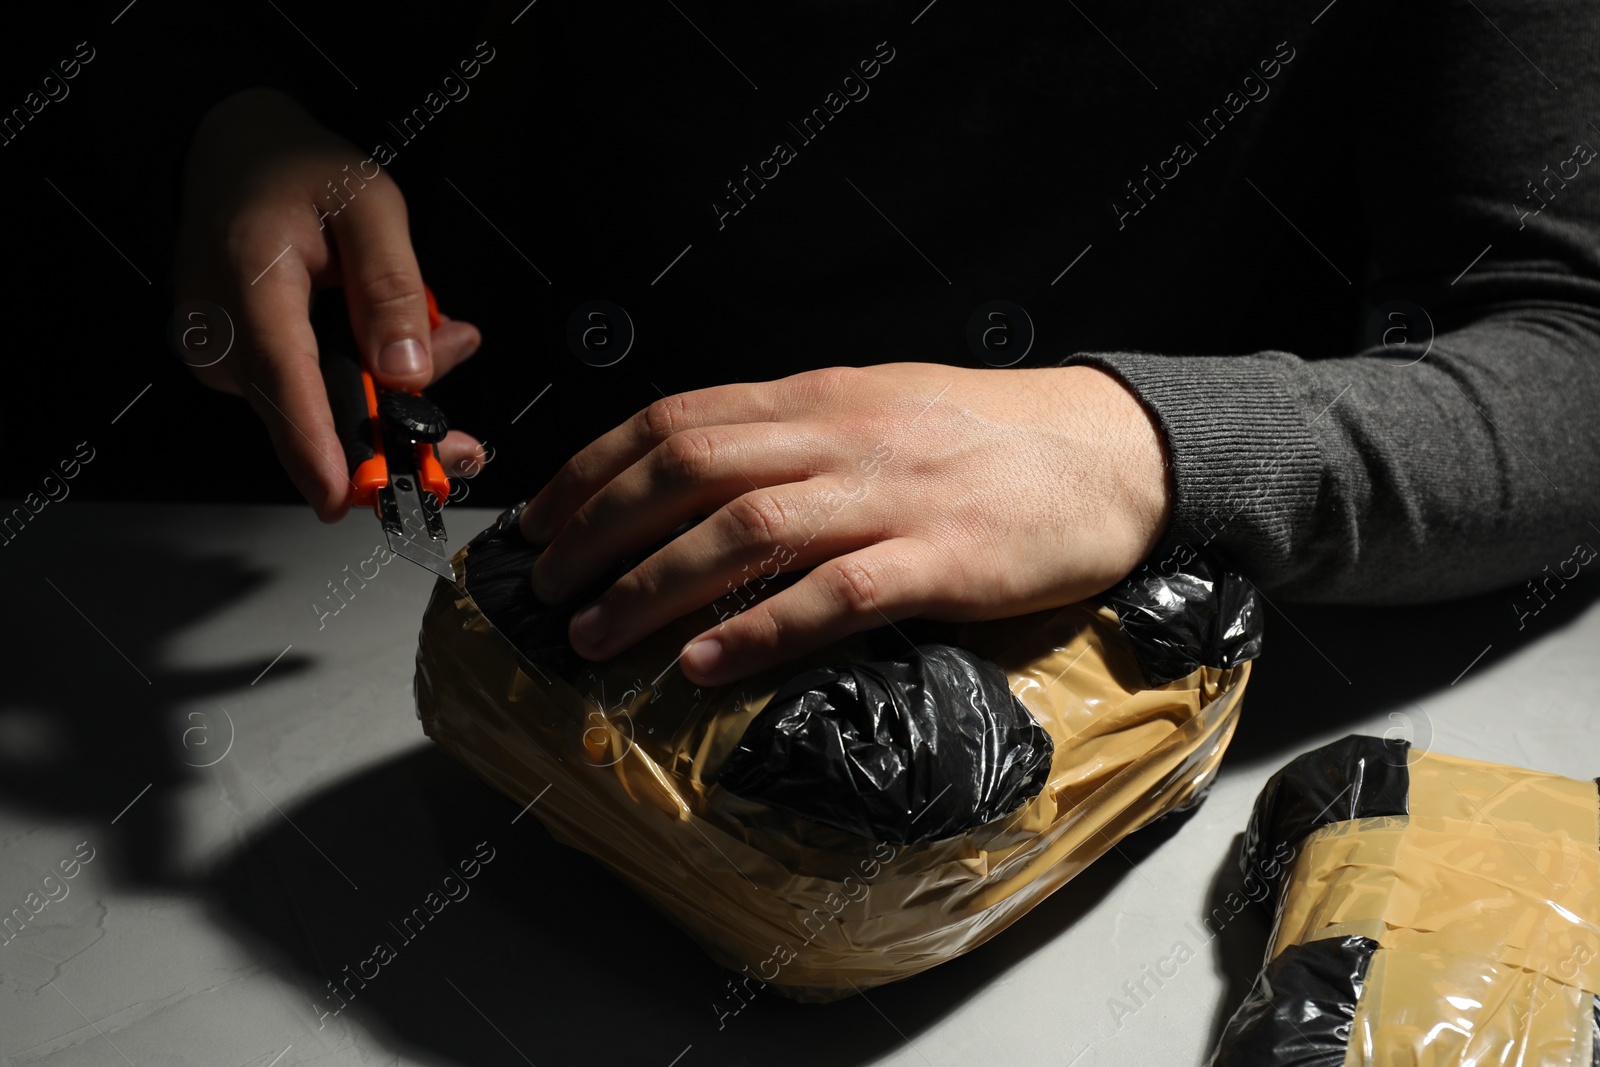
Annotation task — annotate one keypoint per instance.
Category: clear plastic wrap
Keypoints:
(1053, 738)
(914, 772)
(1436, 911)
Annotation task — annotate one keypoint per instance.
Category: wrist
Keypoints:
(1134, 457)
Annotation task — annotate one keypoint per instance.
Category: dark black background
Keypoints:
(594, 142)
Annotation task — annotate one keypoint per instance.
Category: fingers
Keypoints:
(854, 592)
(278, 375)
(461, 455)
(587, 472)
(729, 561)
(690, 473)
(453, 342)
(383, 288)
(274, 202)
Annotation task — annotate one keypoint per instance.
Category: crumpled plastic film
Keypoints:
(1464, 929)
(622, 760)
(1433, 1009)
(914, 773)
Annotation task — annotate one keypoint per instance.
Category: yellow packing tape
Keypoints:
(1452, 886)
(1504, 797)
(630, 769)
(1485, 902)
(1424, 1009)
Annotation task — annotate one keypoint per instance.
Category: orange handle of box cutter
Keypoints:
(373, 474)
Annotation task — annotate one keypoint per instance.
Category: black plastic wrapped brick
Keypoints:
(918, 747)
(1357, 777)
(1202, 615)
(1300, 1011)
(935, 743)
(929, 746)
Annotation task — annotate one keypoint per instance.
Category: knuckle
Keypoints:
(758, 519)
(843, 377)
(642, 585)
(215, 378)
(664, 418)
(257, 362)
(760, 631)
(384, 192)
(832, 381)
(569, 479)
(579, 530)
(244, 238)
(687, 457)
(577, 481)
(392, 290)
(854, 586)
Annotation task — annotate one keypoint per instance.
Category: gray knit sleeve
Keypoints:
(1467, 458)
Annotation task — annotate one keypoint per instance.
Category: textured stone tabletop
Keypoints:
(215, 797)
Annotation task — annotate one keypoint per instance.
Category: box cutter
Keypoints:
(390, 440)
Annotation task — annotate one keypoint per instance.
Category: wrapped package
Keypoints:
(868, 811)
(1430, 911)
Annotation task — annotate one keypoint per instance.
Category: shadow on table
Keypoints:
(1392, 657)
(1239, 929)
(1323, 666)
(546, 957)
(92, 724)
(549, 959)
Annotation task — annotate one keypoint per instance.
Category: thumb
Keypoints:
(383, 288)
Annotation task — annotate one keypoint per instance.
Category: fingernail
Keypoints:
(547, 581)
(703, 656)
(589, 626)
(401, 358)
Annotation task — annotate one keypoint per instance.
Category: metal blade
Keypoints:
(413, 529)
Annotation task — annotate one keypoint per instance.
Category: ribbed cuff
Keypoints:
(1246, 469)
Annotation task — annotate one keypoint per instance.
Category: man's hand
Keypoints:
(910, 489)
(261, 229)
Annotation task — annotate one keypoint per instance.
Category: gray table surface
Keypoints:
(261, 806)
